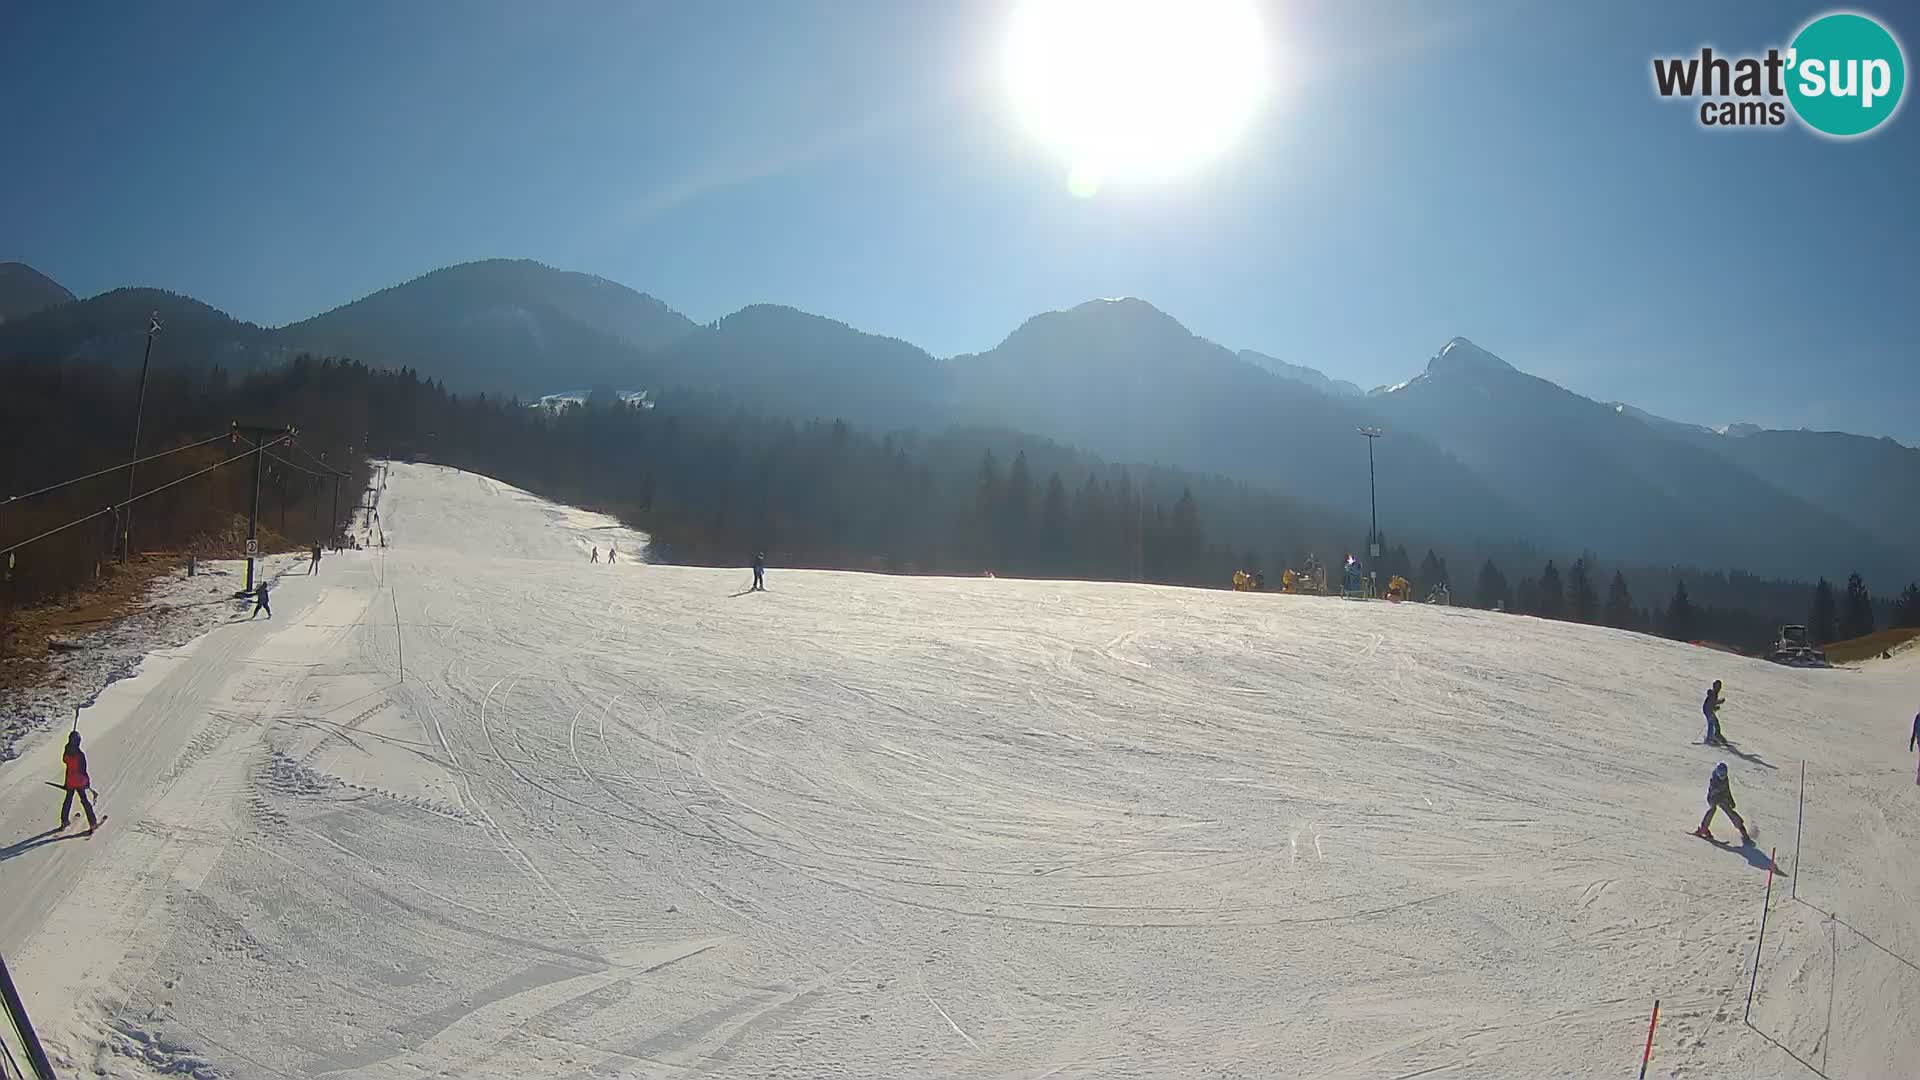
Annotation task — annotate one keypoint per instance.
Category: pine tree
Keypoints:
(1906, 609)
(1130, 526)
(1398, 563)
(986, 513)
(1184, 541)
(1620, 611)
(1526, 597)
(1053, 547)
(1679, 623)
(1553, 596)
(1582, 603)
(1016, 517)
(1856, 612)
(1823, 620)
(1492, 590)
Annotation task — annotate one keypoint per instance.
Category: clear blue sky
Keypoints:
(1502, 171)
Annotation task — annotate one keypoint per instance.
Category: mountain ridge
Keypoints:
(1472, 441)
(25, 291)
(1633, 488)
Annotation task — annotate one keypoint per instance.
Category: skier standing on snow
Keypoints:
(596, 554)
(1912, 741)
(1711, 707)
(76, 783)
(260, 603)
(314, 568)
(1720, 797)
(613, 555)
(759, 572)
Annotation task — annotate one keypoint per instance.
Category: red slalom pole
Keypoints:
(1648, 1056)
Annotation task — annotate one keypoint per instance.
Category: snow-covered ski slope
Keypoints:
(470, 806)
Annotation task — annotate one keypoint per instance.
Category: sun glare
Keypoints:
(1136, 89)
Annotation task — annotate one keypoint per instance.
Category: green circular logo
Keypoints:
(1845, 74)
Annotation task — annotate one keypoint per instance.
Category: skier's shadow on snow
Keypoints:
(1755, 856)
(42, 839)
(1751, 759)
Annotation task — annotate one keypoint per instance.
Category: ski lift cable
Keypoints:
(296, 448)
(11, 499)
(302, 468)
(117, 507)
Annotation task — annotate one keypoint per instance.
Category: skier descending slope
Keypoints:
(77, 783)
(1711, 707)
(1720, 797)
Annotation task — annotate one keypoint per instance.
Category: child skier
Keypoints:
(1720, 797)
(77, 783)
(1711, 707)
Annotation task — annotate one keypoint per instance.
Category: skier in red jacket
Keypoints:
(77, 783)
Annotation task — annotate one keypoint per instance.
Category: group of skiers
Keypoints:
(759, 565)
(1720, 786)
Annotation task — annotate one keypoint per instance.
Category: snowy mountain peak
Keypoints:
(1459, 354)
(1124, 308)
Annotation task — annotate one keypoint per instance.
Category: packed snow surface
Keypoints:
(472, 806)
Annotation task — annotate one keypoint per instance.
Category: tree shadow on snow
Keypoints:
(41, 839)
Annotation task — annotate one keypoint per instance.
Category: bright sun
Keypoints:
(1136, 89)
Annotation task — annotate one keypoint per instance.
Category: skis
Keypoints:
(1717, 842)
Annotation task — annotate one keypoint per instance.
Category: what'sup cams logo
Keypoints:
(1842, 76)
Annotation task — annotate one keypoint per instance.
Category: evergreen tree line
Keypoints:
(1576, 596)
(711, 484)
(1851, 613)
(58, 422)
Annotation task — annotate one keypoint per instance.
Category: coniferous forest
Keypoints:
(711, 484)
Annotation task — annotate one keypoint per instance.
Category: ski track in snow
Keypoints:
(472, 805)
